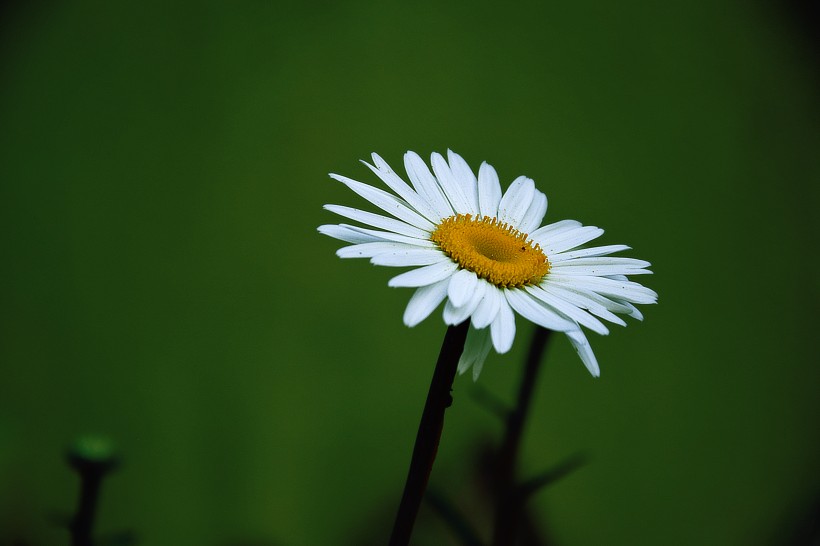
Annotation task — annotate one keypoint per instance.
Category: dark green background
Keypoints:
(162, 171)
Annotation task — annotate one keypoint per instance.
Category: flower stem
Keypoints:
(429, 433)
(509, 501)
(92, 458)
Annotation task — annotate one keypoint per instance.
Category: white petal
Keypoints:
(346, 234)
(395, 183)
(585, 300)
(633, 311)
(542, 234)
(609, 304)
(389, 236)
(516, 201)
(456, 315)
(368, 250)
(601, 266)
(409, 257)
(631, 263)
(489, 191)
(424, 301)
(485, 350)
(487, 309)
(570, 239)
(451, 186)
(475, 352)
(624, 290)
(582, 346)
(465, 177)
(566, 308)
(387, 202)
(535, 213)
(594, 251)
(423, 276)
(472, 346)
(502, 328)
(531, 309)
(601, 271)
(379, 221)
(462, 286)
(427, 185)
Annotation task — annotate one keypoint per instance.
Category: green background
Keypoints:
(162, 172)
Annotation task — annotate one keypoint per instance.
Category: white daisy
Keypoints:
(485, 253)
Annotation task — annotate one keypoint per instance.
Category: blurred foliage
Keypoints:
(162, 172)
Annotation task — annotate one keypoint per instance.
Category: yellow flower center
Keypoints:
(493, 250)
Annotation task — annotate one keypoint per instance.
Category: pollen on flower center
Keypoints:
(493, 250)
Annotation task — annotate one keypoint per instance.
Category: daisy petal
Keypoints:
(611, 304)
(426, 185)
(456, 315)
(487, 309)
(633, 311)
(465, 177)
(570, 239)
(584, 349)
(387, 202)
(368, 250)
(502, 328)
(472, 346)
(462, 286)
(389, 236)
(624, 290)
(531, 309)
(424, 301)
(423, 276)
(535, 213)
(451, 186)
(409, 257)
(589, 301)
(347, 235)
(489, 191)
(476, 349)
(516, 201)
(542, 234)
(583, 253)
(566, 308)
(381, 169)
(602, 266)
(600, 271)
(379, 221)
(482, 357)
(630, 263)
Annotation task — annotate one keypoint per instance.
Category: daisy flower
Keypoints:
(487, 255)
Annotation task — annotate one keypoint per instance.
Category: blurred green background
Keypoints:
(162, 172)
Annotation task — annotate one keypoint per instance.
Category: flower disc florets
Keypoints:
(493, 250)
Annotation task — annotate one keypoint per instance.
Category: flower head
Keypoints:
(484, 253)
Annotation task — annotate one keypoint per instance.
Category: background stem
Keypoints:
(92, 457)
(429, 433)
(508, 501)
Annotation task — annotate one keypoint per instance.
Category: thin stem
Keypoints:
(458, 524)
(83, 523)
(429, 433)
(509, 502)
(92, 458)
